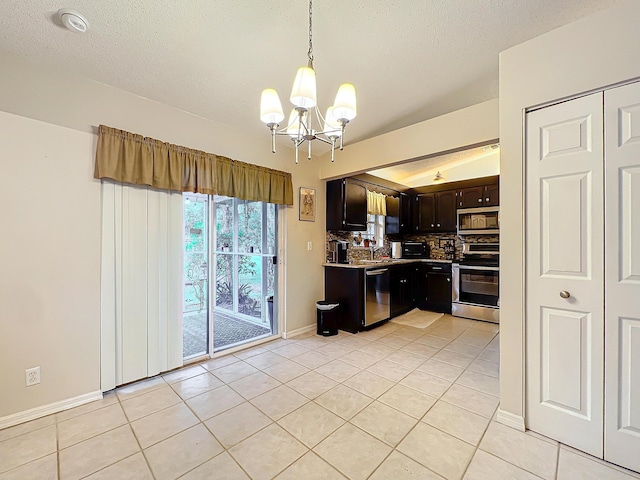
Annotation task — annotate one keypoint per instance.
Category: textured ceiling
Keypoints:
(410, 60)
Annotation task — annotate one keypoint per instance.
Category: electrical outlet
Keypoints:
(32, 376)
(309, 246)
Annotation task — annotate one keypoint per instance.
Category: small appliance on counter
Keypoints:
(337, 251)
(415, 250)
(396, 249)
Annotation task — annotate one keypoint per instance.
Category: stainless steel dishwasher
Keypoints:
(377, 305)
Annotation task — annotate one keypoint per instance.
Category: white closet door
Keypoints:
(622, 281)
(564, 258)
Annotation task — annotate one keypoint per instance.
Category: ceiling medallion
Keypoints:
(303, 97)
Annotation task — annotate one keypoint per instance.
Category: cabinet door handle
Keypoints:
(438, 225)
(432, 225)
(479, 200)
(448, 279)
(486, 199)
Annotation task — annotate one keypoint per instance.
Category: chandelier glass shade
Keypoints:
(300, 127)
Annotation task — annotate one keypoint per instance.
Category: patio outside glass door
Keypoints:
(245, 271)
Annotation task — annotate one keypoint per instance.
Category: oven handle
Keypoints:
(370, 273)
(476, 267)
(455, 283)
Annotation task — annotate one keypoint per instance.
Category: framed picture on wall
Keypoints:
(307, 204)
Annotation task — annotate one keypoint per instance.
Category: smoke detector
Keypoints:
(72, 20)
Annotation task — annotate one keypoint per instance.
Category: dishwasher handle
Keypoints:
(370, 273)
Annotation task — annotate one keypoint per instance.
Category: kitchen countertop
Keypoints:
(394, 261)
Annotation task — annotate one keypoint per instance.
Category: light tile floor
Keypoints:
(392, 403)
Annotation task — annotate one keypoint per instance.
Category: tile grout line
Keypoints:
(58, 472)
(136, 437)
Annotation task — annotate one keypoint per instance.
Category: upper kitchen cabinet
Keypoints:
(398, 219)
(479, 196)
(435, 212)
(346, 205)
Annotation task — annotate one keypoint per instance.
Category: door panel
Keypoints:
(565, 218)
(564, 363)
(622, 278)
(567, 335)
(630, 223)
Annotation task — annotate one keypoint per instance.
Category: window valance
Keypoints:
(130, 158)
(376, 203)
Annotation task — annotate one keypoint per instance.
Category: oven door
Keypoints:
(478, 285)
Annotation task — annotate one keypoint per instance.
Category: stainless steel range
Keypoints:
(475, 283)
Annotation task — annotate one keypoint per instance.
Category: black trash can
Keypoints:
(328, 316)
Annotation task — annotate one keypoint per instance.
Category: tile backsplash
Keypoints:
(436, 242)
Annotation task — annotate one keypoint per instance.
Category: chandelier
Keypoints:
(303, 96)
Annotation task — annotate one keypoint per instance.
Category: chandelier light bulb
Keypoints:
(270, 107)
(303, 93)
(332, 126)
(345, 105)
(294, 125)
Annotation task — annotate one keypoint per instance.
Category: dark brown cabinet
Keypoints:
(481, 196)
(405, 213)
(392, 220)
(346, 287)
(492, 195)
(424, 212)
(435, 287)
(446, 211)
(403, 289)
(435, 212)
(346, 205)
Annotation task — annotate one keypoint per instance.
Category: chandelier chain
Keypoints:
(310, 52)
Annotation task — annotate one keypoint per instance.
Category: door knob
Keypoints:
(565, 294)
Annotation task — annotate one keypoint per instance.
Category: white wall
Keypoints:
(592, 53)
(63, 100)
(50, 257)
(465, 127)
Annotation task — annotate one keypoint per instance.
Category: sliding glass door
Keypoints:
(245, 240)
(238, 253)
(195, 297)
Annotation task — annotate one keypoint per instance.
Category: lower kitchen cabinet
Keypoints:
(346, 286)
(417, 284)
(403, 288)
(435, 287)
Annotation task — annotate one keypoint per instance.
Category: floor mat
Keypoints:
(417, 318)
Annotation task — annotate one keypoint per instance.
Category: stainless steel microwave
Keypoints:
(478, 221)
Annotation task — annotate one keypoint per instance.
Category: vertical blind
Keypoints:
(141, 287)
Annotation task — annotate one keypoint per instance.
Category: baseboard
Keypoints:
(299, 331)
(44, 410)
(510, 420)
